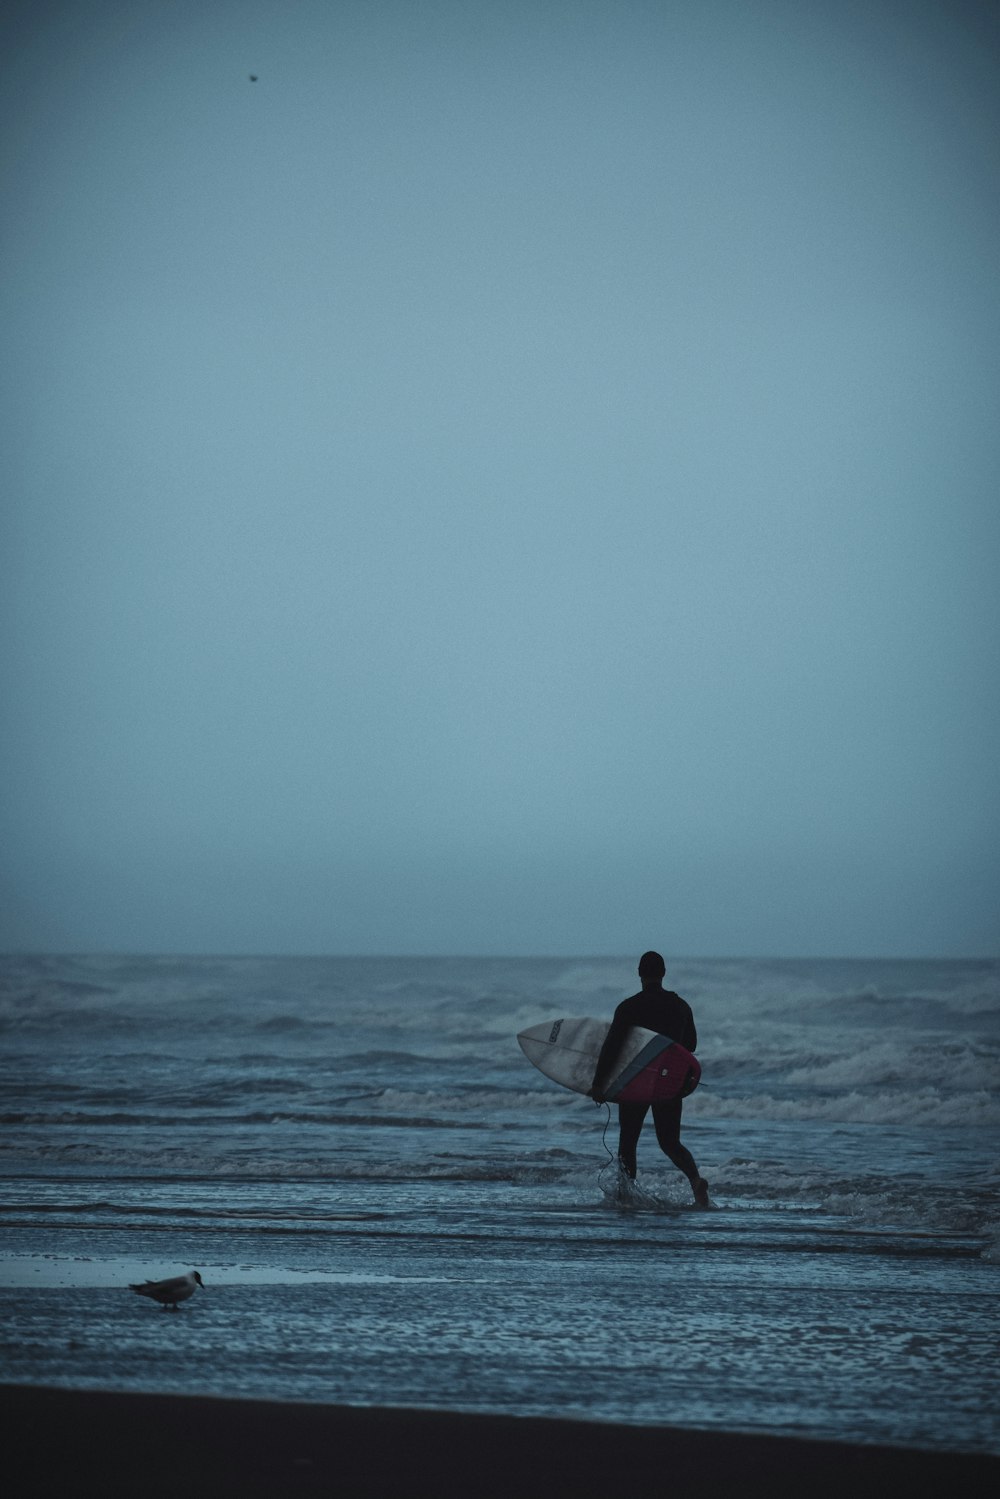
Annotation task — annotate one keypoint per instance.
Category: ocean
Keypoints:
(389, 1206)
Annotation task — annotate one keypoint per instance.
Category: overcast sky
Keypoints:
(516, 478)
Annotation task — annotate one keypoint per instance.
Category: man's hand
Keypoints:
(596, 1095)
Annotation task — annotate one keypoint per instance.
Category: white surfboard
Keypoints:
(567, 1051)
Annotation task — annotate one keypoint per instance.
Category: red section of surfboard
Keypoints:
(674, 1073)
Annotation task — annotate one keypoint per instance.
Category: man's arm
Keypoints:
(608, 1056)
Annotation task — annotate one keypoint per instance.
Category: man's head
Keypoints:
(651, 968)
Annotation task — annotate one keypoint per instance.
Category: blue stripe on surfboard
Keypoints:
(649, 1053)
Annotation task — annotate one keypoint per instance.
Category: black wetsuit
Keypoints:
(663, 1011)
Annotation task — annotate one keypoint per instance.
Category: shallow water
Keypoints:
(389, 1205)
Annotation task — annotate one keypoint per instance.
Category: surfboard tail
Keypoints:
(662, 1070)
(643, 1059)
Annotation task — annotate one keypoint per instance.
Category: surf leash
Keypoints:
(608, 1188)
(624, 1190)
(604, 1132)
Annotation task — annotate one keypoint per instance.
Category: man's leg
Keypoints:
(667, 1121)
(630, 1117)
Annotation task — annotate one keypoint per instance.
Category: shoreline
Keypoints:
(82, 1442)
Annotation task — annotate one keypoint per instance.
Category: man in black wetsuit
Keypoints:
(663, 1011)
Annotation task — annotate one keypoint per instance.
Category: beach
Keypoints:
(98, 1443)
(401, 1224)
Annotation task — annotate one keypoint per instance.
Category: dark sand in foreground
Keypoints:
(67, 1443)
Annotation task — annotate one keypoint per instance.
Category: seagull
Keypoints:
(169, 1292)
(253, 77)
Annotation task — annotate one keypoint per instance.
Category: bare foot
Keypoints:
(700, 1188)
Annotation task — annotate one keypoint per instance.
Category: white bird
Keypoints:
(169, 1292)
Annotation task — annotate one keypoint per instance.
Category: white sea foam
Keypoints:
(932, 1108)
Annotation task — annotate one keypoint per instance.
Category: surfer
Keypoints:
(661, 1010)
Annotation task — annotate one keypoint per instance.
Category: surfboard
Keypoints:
(650, 1068)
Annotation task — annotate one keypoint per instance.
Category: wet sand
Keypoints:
(78, 1443)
